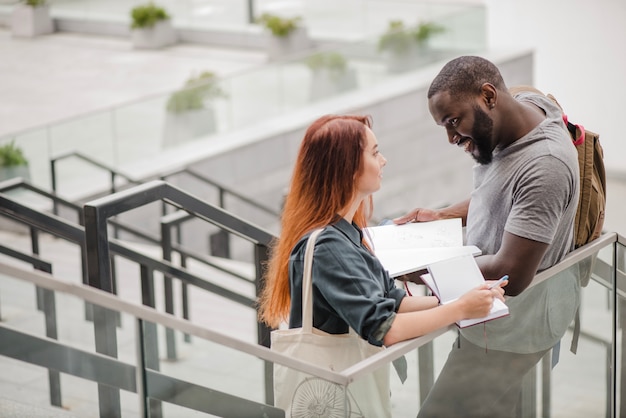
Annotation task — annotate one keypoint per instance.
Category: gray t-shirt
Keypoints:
(530, 189)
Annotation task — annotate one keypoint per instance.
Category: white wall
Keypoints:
(580, 57)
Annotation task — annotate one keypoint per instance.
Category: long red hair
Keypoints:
(323, 184)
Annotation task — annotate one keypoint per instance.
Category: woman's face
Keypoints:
(373, 163)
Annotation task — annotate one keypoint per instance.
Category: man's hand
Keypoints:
(417, 215)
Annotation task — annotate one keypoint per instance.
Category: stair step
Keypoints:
(13, 409)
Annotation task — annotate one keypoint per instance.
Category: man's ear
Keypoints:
(489, 95)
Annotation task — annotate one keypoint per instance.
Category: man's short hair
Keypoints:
(464, 76)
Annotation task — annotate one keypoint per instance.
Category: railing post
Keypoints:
(99, 275)
(184, 286)
(261, 255)
(150, 340)
(166, 248)
(220, 241)
(34, 244)
(53, 179)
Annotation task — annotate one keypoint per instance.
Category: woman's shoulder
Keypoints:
(327, 241)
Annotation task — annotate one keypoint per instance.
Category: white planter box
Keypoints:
(27, 21)
(296, 41)
(325, 83)
(188, 125)
(160, 35)
(22, 171)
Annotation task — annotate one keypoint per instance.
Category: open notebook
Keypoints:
(411, 247)
(451, 278)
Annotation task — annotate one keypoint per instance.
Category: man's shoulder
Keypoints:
(541, 101)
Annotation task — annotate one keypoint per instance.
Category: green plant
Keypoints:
(334, 62)
(194, 93)
(11, 155)
(399, 38)
(279, 26)
(147, 15)
(427, 29)
(34, 3)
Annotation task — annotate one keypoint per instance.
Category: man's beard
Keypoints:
(481, 136)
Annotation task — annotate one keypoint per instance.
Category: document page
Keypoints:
(406, 248)
(442, 233)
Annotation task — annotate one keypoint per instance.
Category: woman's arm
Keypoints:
(417, 303)
(411, 324)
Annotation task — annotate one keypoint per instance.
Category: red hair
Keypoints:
(323, 184)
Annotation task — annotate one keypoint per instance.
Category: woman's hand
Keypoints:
(478, 302)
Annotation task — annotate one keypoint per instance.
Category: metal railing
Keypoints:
(609, 275)
(98, 212)
(166, 242)
(131, 378)
(76, 234)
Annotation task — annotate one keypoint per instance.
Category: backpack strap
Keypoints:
(577, 132)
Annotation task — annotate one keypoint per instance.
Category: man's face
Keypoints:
(466, 124)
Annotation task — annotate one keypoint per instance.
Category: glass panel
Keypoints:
(63, 319)
(580, 383)
(563, 384)
(619, 351)
(35, 148)
(130, 137)
(219, 377)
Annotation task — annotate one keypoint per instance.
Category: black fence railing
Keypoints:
(104, 322)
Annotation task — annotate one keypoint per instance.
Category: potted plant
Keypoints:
(13, 163)
(425, 31)
(188, 110)
(403, 45)
(151, 27)
(331, 74)
(31, 18)
(286, 35)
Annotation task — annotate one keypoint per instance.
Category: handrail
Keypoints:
(109, 301)
(372, 363)
(112, 171)
(91, 161)
(61, 228)
(345, 377)
(222, 189)
(97, 213)
(99, 210)
(18, 182)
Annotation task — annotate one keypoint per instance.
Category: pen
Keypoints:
(501, 279)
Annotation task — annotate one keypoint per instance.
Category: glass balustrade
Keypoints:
(214, 373)
(347, 60)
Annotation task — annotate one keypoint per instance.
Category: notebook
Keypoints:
(451, 278)
(411, 247)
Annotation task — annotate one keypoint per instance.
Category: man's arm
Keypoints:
(518, 257)
(458, 210)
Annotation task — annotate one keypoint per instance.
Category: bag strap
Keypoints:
(307, 283)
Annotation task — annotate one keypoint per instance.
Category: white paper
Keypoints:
(403, 261)
(442, 233)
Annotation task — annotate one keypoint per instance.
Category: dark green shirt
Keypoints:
(350, 286)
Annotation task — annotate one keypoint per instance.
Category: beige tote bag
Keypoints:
(303, 395)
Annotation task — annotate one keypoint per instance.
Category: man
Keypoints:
(521, 215)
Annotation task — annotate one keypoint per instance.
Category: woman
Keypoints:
(337, 170)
